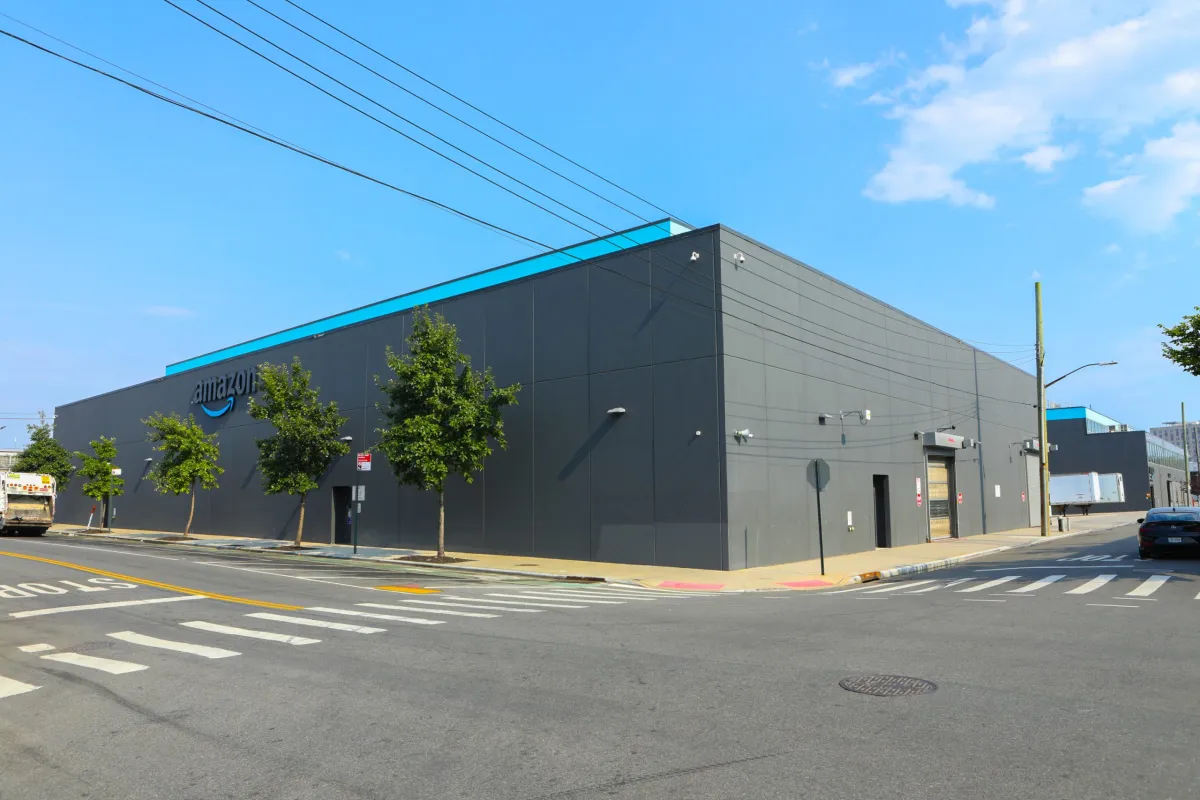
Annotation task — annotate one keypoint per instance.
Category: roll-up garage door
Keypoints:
(940, 479)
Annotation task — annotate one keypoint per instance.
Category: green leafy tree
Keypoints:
(440, 414)
(45, 455)
(97, 470)
(305, 442)
(1183, 345)
(188, 461)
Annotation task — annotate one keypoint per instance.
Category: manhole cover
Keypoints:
(87, 647)
(887, 685)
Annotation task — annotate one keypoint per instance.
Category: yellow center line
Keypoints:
(408, 589)
(146, 582)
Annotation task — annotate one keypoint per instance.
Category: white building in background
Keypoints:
(1175, 433)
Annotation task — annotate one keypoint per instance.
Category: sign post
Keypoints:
(363, 464)
(818, 475)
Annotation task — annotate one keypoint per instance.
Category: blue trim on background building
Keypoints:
(574, 254)
(1078, 412)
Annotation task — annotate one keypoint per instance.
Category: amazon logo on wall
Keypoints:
(221, 391)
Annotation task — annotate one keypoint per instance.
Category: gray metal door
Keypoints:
(1033, 491)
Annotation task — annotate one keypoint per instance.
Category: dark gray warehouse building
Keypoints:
(677, 383)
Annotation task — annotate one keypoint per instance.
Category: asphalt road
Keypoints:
(1080, 686)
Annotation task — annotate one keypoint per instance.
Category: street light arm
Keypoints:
(1085, 366)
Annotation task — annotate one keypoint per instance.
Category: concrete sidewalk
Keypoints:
(871, 565)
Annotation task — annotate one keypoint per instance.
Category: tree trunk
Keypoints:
(300, 527)
(441, 525)
(104, 513)
(192, 512)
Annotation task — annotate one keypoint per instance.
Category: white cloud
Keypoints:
(1023, 74)
(843, 77)
(806, 29)
(168, 311)
(1165, 182)
(1112, 249)
(342, 255)
(1043, 157)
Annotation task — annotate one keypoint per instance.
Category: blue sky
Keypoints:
(937, 155)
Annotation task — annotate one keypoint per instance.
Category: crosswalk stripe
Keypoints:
(349, 613)
(941, 586)
(9, 687)
(844, 591)
(1149, 586)
(213, 627)
(529, 602)
(897, 587)
(35, 648)
(109, 665)
(990, 584)
(429, 610)
(572, 599)
(476, 605)
(579, 593)
(1033, 587)
(202, 650)
(647, 590)
(641, 595)
(316, 623)
(1092, 585)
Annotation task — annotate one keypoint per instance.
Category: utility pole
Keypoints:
(1187, 465)
(1043, 445)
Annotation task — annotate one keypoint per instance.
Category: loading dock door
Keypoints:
(940, 480)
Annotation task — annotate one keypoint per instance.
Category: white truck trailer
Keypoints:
(26, 503)
(1082, 489)
(1112, 488)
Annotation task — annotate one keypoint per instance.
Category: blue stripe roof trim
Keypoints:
(1078, 412)
(608, 245)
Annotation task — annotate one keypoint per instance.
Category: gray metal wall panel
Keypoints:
(621, 451)
(561, 471)
(619, 321)
(826, 347)
(560, 324)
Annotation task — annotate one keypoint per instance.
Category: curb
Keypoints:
(375, 559)
(929, 566)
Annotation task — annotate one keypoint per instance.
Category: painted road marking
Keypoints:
(35, 648)
(429, 610)
(407, 589)
(1092, 585)
(945, 586)
(145, 582)
(1033, 587)
(1113, 605)
(1149, 586)
(981, 600)
(109, 665)
(583, 593)
(213, 627)
(538, 596)
(106, 549)
(637, 593)
(9, 687)
(349, 613)
(1061, 566)
(990, 584)
(41, 612)
(202, 650)
(476, 605)
(526, 602)
(652, 590)
(844, 591)
(316, 623)
(899, 586)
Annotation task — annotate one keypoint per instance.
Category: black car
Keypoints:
(1168, 529)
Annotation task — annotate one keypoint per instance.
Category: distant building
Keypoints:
(1176, 433)
(1088, 441)
(8, 458)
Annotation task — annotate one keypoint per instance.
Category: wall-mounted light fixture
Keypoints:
(695, 256)
(864, 416)
(616, 412)
(148, 460)
(697, 433)
(739, 259)
(346, 439)
(743, 434)
(823, 418)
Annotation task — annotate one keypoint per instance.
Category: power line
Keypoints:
(281, 143)
(473, 107)
(392, 128)
(450, 114)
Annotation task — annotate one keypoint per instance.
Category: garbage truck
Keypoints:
(26, 503)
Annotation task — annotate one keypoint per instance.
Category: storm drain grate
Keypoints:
(887, 685)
